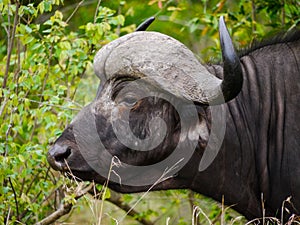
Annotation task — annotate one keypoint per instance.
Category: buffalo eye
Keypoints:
(129, 100)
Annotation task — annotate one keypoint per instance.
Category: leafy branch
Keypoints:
(65, 207)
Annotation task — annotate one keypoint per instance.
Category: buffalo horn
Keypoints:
(168, 64)
(143, 26)
(233, 76)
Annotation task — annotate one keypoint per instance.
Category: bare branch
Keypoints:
(64, 208)
(11, 44)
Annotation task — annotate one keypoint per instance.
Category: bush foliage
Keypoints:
(46, 53)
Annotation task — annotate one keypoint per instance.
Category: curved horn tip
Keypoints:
(222, 24)
(228, 51)
(233, 75)
(221, 20)
(144, 25)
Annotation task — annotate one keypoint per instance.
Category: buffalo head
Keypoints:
(150, 118)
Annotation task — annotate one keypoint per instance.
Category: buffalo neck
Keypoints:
(255, 164)
(232, 176)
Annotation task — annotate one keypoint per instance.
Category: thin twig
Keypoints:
(7, 133)
(8, 215)
(277, 221)
(75, 10)
(105, 189)
(15, 195)
(163, 8)
(11, 38)
(197, 210)
(283, 13)
(57, 106)
(236, 219)
(118, 31)
(192, 205)
(253, 16)
(96, 12)
(18, 70)
(263, 207)
(3, 105)
(223, 212)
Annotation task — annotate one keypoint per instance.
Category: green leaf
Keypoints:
(28, 29)
(41, 7)
(48, 22)
(107, 194)
(47, 6)
(28, 40)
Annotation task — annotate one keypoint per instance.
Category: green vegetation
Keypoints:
(46, 53)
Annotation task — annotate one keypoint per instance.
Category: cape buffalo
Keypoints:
(161, 120)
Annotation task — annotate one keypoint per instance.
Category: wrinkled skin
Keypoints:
(260, 153)
(141, 113)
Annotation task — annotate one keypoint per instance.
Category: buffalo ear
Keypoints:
(144, 25)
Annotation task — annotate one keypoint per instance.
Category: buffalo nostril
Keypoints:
(60, 157)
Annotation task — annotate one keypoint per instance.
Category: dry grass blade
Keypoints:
(160, 179)
(197, 211)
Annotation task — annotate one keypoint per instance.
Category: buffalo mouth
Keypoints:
(58, 162)
(84, 174)
(65, 159)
